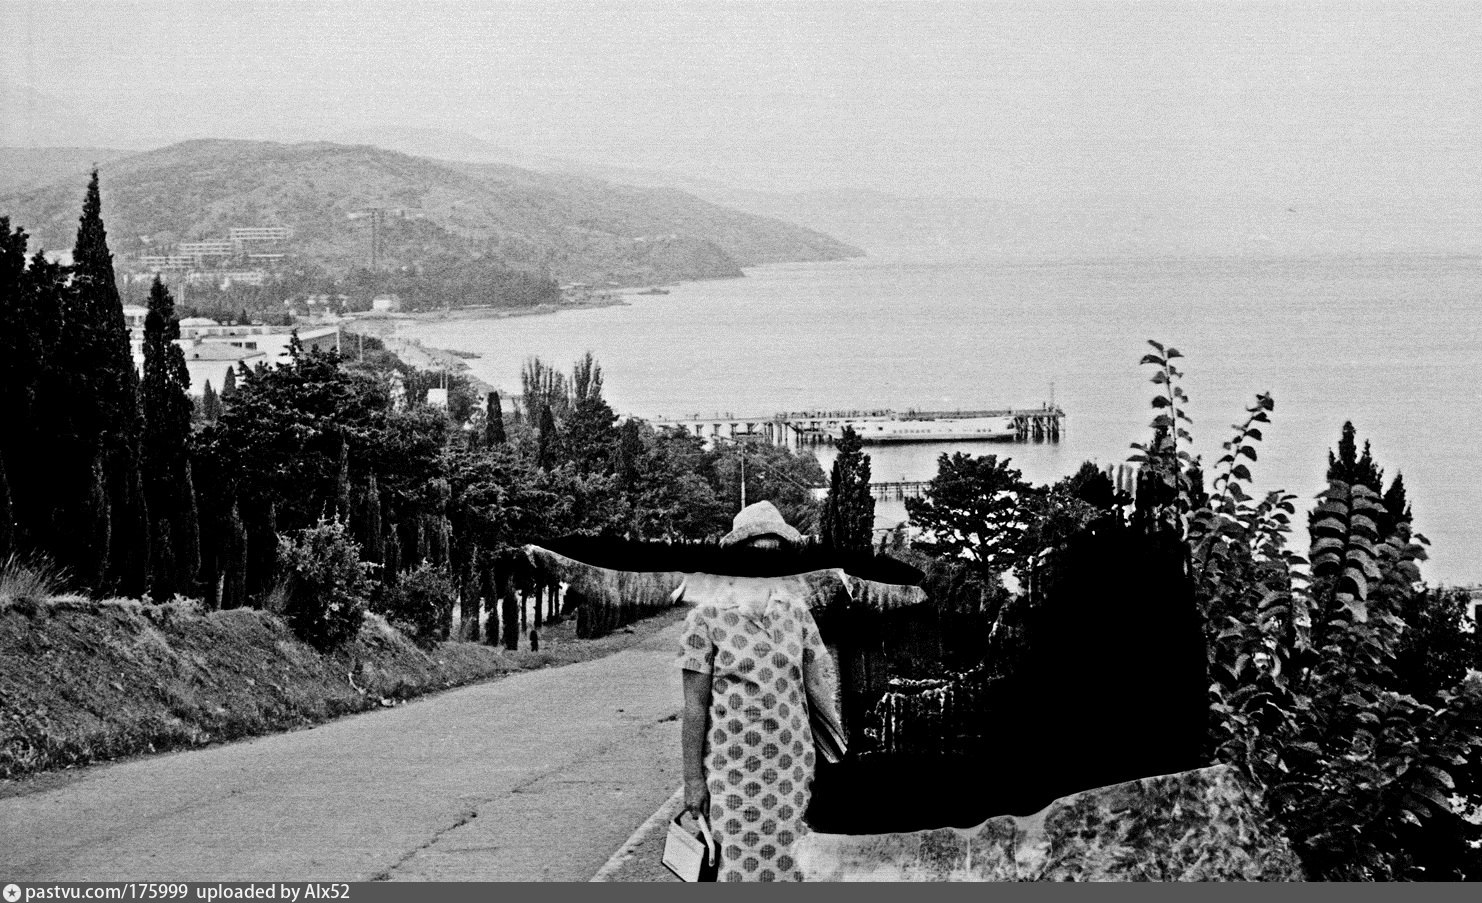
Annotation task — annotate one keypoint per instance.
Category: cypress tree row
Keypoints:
(45, 466)
(69, 395)
(21, 365)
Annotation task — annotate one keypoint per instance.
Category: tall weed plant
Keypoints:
(29, 578)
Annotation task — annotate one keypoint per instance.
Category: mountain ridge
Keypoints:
(573, 227)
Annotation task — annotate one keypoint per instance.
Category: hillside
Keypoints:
(575, 228)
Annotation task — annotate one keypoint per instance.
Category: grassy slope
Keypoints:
(84, 681)
(575, 227)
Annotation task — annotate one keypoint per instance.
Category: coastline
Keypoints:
(455, 360)
(485, 312)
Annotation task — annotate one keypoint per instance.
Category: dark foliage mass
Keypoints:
(1339, 683)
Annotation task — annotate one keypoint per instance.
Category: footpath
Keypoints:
(539, 776)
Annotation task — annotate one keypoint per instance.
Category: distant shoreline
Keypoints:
(486, 312)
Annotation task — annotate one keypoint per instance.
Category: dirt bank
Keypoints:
(84, 681)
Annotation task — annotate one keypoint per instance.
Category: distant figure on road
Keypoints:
(753, 665)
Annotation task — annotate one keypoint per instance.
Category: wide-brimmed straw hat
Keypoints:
(761, 519)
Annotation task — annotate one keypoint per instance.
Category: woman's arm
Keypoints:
(692, 741)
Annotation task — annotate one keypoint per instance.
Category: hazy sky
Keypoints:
(1286, 100)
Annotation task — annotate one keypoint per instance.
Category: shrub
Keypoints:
(327, 583)
(419, 605)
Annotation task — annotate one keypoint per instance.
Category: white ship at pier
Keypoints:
(944, 429)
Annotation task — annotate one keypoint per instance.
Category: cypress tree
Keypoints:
(630, 450)
(391, 558)
(1355, 470)
(262, 549)
(113, 389)
(1396, 507)
(468, 602)
(848, 519)
(489, 585)
(1395, 501)
(92, 559)
(234, 584)
(229, 383)
(420, 540)
(371, 540)
(188, 541)
(116, 383)
(165, 392)
(511, 627)
(164, 575)
(210, 404)
(494, 421)
(342, 483)
(545, 451)
(7, 514)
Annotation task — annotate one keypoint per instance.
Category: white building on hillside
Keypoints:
(210, 347)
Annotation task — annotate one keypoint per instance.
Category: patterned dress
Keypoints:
(758, 745)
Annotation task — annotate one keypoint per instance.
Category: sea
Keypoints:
(1392, 342)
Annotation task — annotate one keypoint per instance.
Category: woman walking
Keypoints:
(754, 669)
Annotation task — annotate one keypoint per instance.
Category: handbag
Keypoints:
(691, 857)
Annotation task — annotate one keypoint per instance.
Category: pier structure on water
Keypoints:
(1045, 423)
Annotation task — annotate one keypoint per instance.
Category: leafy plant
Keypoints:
(1168, 487)
(328, 583)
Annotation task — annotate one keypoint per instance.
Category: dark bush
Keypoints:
(419, 604)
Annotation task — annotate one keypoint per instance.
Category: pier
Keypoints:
(1045, 423)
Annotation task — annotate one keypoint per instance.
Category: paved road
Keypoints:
(542, 775)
